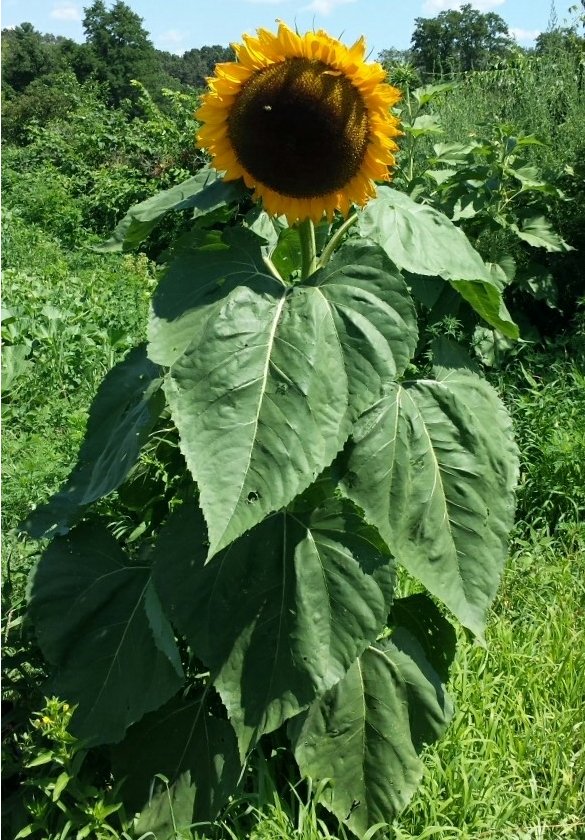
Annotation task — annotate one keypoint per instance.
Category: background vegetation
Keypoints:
(496, 142)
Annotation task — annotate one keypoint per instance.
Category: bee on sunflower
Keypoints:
(304, 120)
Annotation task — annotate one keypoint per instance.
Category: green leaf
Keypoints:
(539, 282)
(205, 192)
(419, 238)
(538, 232)
(374, 318)
(454, 153)
(89, 608)
(264, 394)
(287, 253)
(194, 287)
(196, 751)
(433, 466)
(264, 225)
(418, 617)
(15, 362)
(423, 241)
(424, 125)
(281, 614)
(125, 409)
(486, 299)
(366, 733)
(427, 93)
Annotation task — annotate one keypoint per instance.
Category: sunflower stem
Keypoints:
(306, 230)
(273, 270)
(335, 240)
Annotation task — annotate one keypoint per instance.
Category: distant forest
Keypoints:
(117, 49)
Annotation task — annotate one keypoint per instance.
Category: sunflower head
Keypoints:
(304, 120)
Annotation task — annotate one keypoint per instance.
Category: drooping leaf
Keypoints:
(487, 301)
(125, 409)
(280, 615)
(205, 192)
(366, 733)
(99, 622)
(264, 394)
(433, 466)
(538, 232)
(197, 753)
(423, 241)
(418, 617)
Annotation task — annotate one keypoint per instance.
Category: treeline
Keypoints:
(117, 50)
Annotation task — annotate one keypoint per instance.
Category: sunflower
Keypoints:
(303, 119)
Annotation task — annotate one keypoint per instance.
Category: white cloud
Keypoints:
(325, 7)
(524, 34)
(433, 6)
(66, 11)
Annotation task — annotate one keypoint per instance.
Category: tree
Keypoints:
(562, 39)
(195, 65)
(122, 49)
(459, 40)
(25, 56)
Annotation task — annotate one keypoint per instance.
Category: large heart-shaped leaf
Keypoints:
(125, 409)
(423, 241)
(195, 285)
(281, 614)
(366, 733)
(204, 192)
(99, 622)
(194, 750)
(433, 466)
(265, 392)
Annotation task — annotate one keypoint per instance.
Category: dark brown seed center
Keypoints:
(299, 128)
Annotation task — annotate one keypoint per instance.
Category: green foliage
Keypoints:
(312, 579)
(25, 57)
(267, 378)
(458, 40)
(195, 65)
(494, 187)
(70, 317)
(122, 50)
(59, 797)
(80, 171)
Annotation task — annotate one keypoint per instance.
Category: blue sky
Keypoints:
(179, 25)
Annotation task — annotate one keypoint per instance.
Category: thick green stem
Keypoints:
(336, 239)
(308, 248)
(273, 270)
